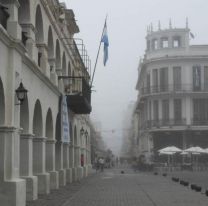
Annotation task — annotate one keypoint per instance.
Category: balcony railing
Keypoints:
(173, 88)
(149, 124)
(199, 122)
(78, 93)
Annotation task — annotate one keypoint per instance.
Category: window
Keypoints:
(177, 111)
(196, 77)
(176, 41)
(154, 44)
(165, 111)
(164, 42)
(39, 58)
(155, 110)
(177, 78)
(148, 83)
(148, 45)
(200, 111)
(155, 80)
(206, 78)
(150, 110)
(163, 79)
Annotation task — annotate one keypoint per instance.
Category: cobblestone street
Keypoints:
(112, 188)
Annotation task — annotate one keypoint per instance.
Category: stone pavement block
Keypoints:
(111, 188)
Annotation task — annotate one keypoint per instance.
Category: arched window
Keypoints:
(39, 36)
(50, 43)
(37, 120)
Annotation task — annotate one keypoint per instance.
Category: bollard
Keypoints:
(164, 174)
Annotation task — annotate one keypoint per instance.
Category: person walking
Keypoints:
(101, 163)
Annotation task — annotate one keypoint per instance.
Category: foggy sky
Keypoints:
(127, 23)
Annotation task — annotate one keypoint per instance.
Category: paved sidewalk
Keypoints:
(114, 189)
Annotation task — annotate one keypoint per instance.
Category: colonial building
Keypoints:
(44, 135)
(172, 104)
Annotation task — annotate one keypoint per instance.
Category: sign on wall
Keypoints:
(65, 121)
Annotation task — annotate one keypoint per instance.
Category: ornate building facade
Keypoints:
(172, 104)
(45, 140)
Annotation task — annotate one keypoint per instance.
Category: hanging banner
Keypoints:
(65, 121)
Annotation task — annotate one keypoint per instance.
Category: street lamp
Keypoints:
(21, 93)
(82, 131)
(86, 133)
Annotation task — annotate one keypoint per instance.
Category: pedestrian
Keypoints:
(101, 163)
(97, 165)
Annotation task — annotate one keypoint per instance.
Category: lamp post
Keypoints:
(82, 131)
(21, 93)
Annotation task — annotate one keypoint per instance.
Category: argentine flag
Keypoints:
(106, 44)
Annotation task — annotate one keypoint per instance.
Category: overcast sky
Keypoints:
(127, 23)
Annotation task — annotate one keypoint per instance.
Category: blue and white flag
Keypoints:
(106, 44)
(192, 35)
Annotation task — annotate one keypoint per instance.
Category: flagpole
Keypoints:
(98, 52)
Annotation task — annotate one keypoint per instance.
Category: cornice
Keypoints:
(28, 25)
(168, 58)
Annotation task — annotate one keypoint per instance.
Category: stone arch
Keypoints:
(58, 145)
(69, 69)
(58, 55)
(24, 11)
(24, 116)
(37, 120)
(49, 124)
(71, 133)
(50, 43)
(64, 72)
(39, 36)
(58, 127)
(2, 104)
(76, 151)
(75, 136)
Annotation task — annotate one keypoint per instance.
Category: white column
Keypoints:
(12, 188)
(50, 164)
(72, 161)
(59, 163)
(39, 166)
(26, 166)
(13, 27)
(66, 162)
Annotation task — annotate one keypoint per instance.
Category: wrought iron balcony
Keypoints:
(78, 93)
(174, 89)
(199, 122)
(149, 124)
